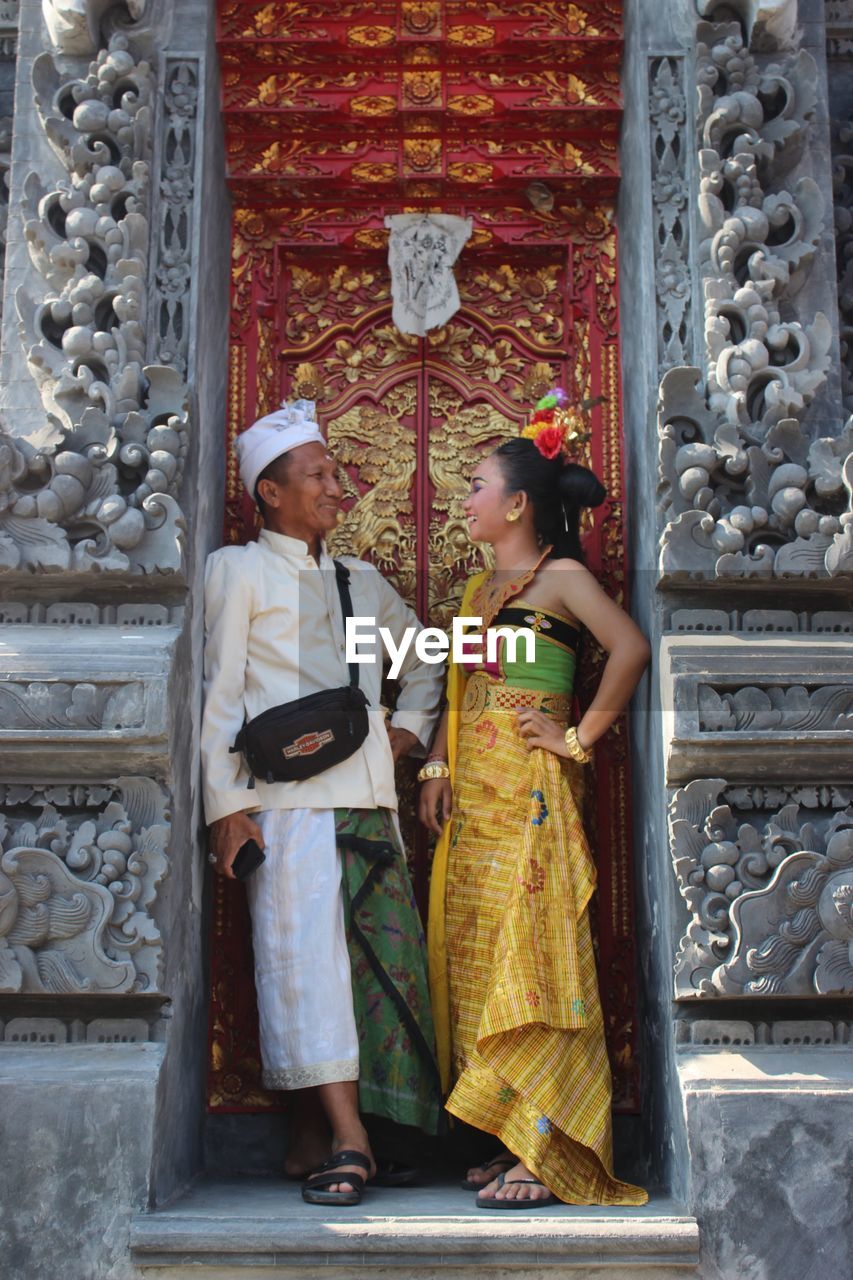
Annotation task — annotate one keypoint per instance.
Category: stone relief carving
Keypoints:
(79, 871)
(83, 614)
(756, 706)
(745, 490)
(5, 164)
(761, 621)
(771, 902)
(722, 1033)
(671, 224)
(97, 489)
(56, 705)
(76, 1031)
(8, 29)
(839, 28)
(789, 708)
(171, 330)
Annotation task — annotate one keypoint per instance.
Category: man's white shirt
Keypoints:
(275, 633)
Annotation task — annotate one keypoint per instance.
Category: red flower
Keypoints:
(542, 415)
(549, 442)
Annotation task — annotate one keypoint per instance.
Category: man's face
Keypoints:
(307, 503)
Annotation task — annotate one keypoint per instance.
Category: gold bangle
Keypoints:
(576, 751)
(433, 769)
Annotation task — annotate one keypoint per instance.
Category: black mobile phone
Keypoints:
(249, 857)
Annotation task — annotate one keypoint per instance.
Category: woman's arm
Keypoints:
(628, 656)
(436, 798)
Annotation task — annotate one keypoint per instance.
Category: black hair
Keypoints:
(557, 491)
(276, 471)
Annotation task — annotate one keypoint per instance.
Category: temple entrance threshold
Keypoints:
(262, 1228)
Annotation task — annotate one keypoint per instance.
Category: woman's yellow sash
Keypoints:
(437, 933)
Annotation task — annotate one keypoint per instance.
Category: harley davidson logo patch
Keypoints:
(308, 744)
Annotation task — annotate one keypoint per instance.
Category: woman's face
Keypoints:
(488, 502)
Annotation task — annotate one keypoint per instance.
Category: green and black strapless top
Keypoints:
(553, 667)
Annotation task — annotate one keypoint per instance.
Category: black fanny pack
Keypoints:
(299, 739)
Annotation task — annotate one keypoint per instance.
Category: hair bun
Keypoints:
(580, 487)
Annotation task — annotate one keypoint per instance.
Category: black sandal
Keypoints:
(392, 1173)
(501, 1163)
(325, 1176)
(492, 1202)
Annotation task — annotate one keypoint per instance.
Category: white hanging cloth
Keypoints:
(422, 249)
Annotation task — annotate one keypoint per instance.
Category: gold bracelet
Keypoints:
(433, 769)
(576, 751)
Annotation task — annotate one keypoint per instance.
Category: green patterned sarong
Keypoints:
(398, 1069)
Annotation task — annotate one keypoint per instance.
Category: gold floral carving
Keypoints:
(377, 104)
(538, 379)
(379, 452)
(267, 372)
(418, 55)
(281, 157)
(422, 155)
(283, 90)
(270, 20)
(554, 18)
(370, 37)
(459, 436)
(421, 17)
(470, 171)
(422, 88)
(421, 191)
(534, 295)
(471, 104)
(347, 287)
(371, 171)
(364, 358)
(371, 238)
(308, 383)
(471, 36)
(237, 361)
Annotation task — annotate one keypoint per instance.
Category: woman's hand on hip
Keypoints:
(539, 730)
(435, 804)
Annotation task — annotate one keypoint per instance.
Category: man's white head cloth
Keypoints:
(260, 444)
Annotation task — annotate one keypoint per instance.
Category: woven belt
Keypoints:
(483, 693)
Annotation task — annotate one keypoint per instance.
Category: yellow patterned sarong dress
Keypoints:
(515, 997)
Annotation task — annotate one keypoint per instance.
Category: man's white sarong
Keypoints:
(302, 967)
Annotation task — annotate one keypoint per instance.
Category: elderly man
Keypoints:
(339, 953)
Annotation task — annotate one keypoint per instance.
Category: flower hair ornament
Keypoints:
(556, 427)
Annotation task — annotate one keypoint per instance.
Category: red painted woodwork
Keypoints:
(329, 108)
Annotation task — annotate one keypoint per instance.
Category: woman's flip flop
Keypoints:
(492, 1202)
(313, 1188)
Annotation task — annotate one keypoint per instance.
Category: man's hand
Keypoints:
(402, 741)
(227, 836)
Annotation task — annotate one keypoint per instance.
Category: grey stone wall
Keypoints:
(111, 478)
(738, 402)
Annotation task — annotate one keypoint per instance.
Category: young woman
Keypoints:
(512, 966)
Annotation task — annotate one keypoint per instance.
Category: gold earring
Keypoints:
(513, 515)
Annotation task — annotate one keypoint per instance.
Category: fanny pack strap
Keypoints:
(342, 578)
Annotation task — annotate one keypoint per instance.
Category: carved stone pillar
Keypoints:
(747, 725)
(102, 541)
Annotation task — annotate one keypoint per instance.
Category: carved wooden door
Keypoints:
(408, 418)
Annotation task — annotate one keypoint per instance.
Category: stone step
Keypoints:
(262, 1227)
